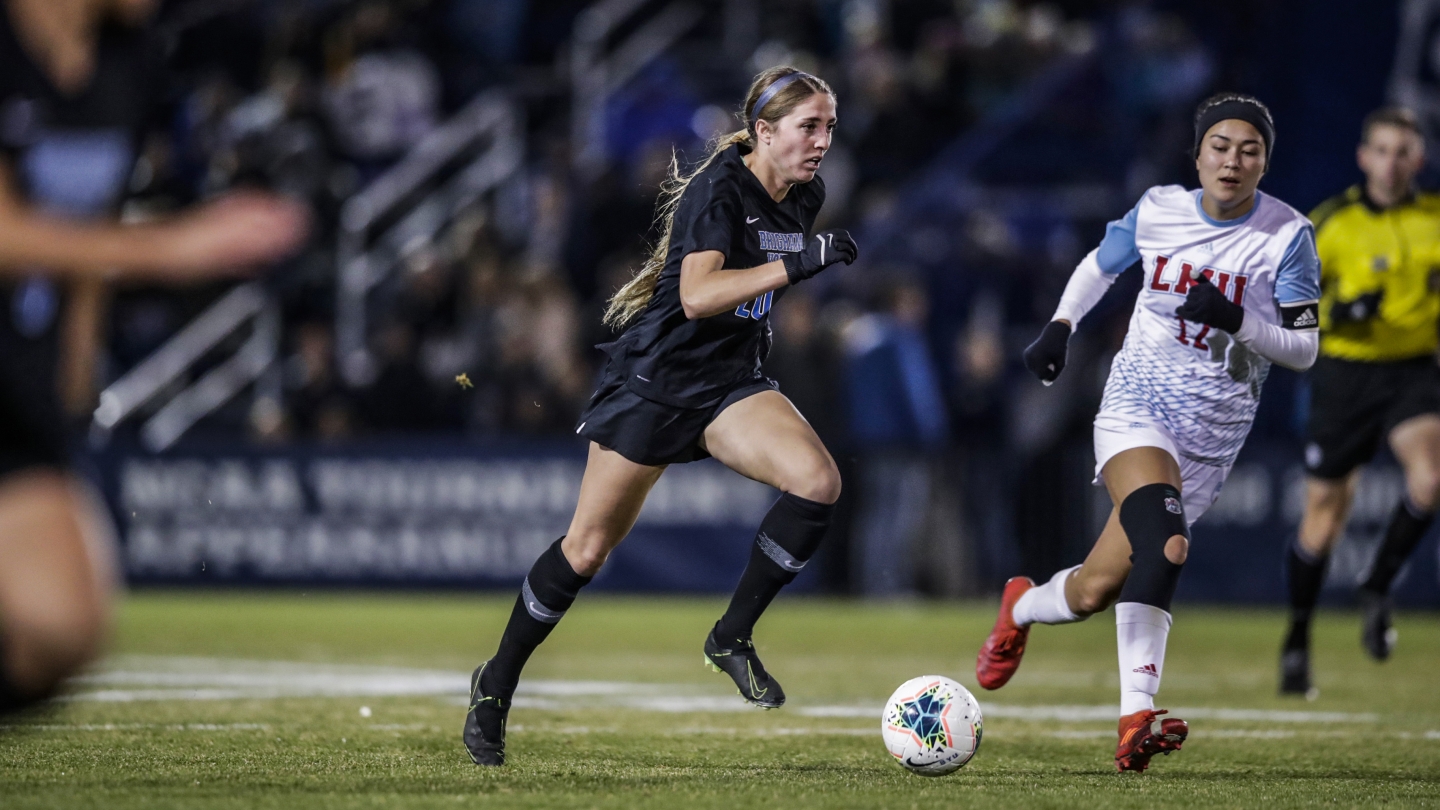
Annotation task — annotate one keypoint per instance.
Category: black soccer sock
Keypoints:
(788, 537)
(549, 591)
(1405, 531)
(1305, 573)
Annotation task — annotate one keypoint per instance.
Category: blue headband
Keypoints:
(775, 87)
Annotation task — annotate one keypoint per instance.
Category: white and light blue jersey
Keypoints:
(1201, 384)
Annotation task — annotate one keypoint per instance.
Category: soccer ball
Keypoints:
(932, 725)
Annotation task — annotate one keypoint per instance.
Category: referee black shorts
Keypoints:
(1354, 406)
(651, 433)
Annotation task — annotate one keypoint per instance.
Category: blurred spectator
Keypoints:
(894, 393)
(897, 420)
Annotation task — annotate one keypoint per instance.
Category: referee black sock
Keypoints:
(788, 537)
(1305, 573)
(549, 591)
(1405, 531)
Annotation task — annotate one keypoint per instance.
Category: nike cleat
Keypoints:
(1377, 635)
(484, 734)
(1001, 655)
(744, 668)
(1143, 735)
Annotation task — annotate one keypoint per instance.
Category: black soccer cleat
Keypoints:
(484, 734)
(1376, 633)
(1295, 674)
(743, 666)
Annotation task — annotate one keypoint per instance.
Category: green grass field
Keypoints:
(221, 700)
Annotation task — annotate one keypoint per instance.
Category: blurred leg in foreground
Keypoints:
(56, 583)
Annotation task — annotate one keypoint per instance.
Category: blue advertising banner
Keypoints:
(417, 513)
(460, 514)
(1238, 546)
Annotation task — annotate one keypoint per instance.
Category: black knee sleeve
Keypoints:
(1151, 515)
(552, 585)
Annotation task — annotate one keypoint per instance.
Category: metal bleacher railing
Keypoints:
(599, 66)
(474, 152)
(450, 169)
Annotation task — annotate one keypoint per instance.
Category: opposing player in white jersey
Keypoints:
(1231, 284)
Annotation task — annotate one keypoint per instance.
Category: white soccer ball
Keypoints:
(932, 725)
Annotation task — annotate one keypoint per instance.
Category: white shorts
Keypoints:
(1199, 483)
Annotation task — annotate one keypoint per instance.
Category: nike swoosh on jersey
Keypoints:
(751, 220)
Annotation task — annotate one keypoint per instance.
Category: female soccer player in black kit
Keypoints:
(75, 76)
(683, 382)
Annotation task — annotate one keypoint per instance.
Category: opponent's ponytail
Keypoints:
(795, 86)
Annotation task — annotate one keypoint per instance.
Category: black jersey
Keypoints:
(70, 155)
(685, 363)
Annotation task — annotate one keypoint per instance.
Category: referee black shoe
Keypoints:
(1295, 674)
(1376, 633)
(740, 662)
(485, 725)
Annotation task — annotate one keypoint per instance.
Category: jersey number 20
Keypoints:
(756, 309)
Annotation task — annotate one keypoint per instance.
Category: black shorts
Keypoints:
(650, 433)
(1354, 406)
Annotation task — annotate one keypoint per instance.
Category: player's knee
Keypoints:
(586, 551)
(1177, 548)
(44, 650)
(1327, 501)
(1424, 487)
(815, 478)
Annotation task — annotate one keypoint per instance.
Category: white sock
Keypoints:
(1046, 603)
(1140, 632)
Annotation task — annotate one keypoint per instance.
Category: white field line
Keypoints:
(1082, 714)
(159, 678)
(135, 726)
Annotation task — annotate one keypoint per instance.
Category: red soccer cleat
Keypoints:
(1143, 735)
(1000, 656)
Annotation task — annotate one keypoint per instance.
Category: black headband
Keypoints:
(1244, 110)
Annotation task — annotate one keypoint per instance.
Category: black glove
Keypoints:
(1046, 356)
(823, 249)
(1206, 304)
(1361, 309)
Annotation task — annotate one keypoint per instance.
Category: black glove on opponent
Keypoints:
(1046, 356)
(823, 249)
(1361, 309)
(1204, 303)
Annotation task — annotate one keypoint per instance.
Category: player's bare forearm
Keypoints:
(706, 289)
(238, 231)
(31, 243)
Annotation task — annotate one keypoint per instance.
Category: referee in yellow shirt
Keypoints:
(1376, 377)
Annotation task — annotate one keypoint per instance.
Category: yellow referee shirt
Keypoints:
(1396, 251)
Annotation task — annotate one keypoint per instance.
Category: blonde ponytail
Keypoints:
(630, 299)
